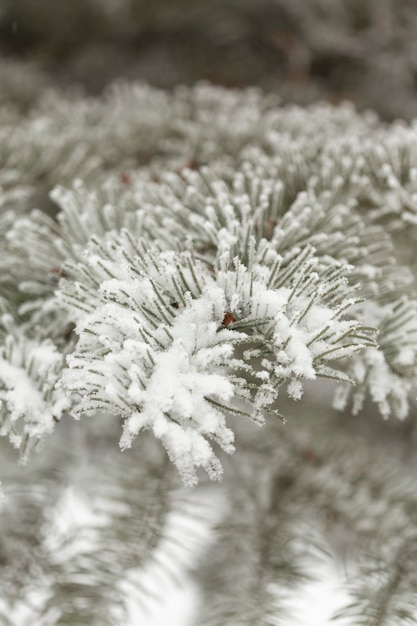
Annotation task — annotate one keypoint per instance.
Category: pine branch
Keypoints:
(220, 248)
(259, 560)
(30, 404)
(157, 344)
(99, 544)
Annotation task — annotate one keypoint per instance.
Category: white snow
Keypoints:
(27, 389)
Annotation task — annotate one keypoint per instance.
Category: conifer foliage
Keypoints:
(182, 272)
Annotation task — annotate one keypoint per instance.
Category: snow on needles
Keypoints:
(158, 343)
(29, 402)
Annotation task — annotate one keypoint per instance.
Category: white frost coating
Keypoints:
(29, 402)
(20, 397)
(177, 381)
(165, 359)
(295, 389)
(174, 402)
(388, 374)
(387, 389)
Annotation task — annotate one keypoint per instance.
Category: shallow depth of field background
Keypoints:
(361, 50)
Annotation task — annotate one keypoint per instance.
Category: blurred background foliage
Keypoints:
(360, 50)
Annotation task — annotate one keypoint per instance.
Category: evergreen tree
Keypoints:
(220, 289)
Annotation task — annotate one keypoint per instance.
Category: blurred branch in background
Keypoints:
(362, 50)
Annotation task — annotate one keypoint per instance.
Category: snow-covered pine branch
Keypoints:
(30, 404)
(168, 342)
(186, 264)
(243, 274)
